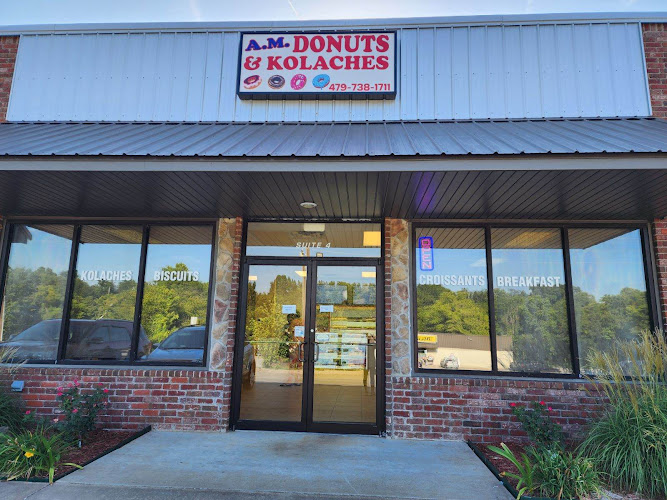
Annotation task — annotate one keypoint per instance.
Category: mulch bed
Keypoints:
(97, 444)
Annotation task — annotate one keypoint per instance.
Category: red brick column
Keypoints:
(655, 49)
(387, 326)
(9, 46)
(660, 248)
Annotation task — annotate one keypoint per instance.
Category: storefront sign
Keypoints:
(427, 339)
(310, 65)
(326, 308)
(426, 253)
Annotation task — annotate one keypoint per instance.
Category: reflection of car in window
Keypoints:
(183, 345)
(106, 339)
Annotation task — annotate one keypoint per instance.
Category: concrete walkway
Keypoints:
(280, 465)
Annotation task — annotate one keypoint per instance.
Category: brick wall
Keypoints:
(9, 46)
(660, 249)
(165, 399)
(455, 407)
(447, 407)
(655, 49)
(185, 399)
(387, 325)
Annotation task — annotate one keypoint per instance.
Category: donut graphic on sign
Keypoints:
(252, 82)
(321, 81)
(298, 81)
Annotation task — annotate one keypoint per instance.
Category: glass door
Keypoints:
(345, 348)
(309, 354)
(273, 349)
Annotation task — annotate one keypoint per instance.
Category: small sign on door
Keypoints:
(326, 308)
(299, 331)
(289, 308)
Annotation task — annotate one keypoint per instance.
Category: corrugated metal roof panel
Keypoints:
(645, 135)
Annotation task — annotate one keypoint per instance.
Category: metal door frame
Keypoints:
(306, 424)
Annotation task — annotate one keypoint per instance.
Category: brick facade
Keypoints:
(418, 406)
(456, 407)
(655, 50)
(660, 249)
(165, 399)
(187, 399)
(9, 46)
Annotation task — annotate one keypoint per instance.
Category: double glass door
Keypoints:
(310, 355)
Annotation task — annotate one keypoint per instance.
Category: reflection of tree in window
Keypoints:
(169, 305)
(265, 321)
(610, 299)
(531, 321)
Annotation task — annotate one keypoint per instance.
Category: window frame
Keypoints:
(146, 224)
(650, 279)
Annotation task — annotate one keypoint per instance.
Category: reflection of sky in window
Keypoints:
(527, 262)
(106, 257)
(607, 268)
(44, 250)
(458, 262)
(195, 257)
(53, 252)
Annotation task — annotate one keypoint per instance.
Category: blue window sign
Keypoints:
(426, 253)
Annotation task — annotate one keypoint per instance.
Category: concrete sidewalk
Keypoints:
(280, 465)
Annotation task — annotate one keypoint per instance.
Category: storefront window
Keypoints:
(34, 297)
(530, 329)
(314, 239)
(102, 296)
(175, 296)
(609, 285)
(452, 299)
(529, 295)
(105, 291)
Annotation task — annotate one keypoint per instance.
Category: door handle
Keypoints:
(317, 353)
(300, 355)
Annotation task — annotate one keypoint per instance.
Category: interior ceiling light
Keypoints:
(308, 204)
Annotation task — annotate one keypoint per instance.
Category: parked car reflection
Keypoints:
(105, 339)
(186, 345)
(183, 345)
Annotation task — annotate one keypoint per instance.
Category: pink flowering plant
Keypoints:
(78, 410)
(537, 422)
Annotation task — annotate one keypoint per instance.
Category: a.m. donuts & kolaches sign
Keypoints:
(302, 65)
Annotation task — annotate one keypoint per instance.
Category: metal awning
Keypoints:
(348, 140)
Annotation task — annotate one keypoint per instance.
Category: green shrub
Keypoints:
(561, 474)
(552, 473)
(78, 411)
(541, 430)
(32, 453)
(11, 414)
(629, 443)
(526, 472)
